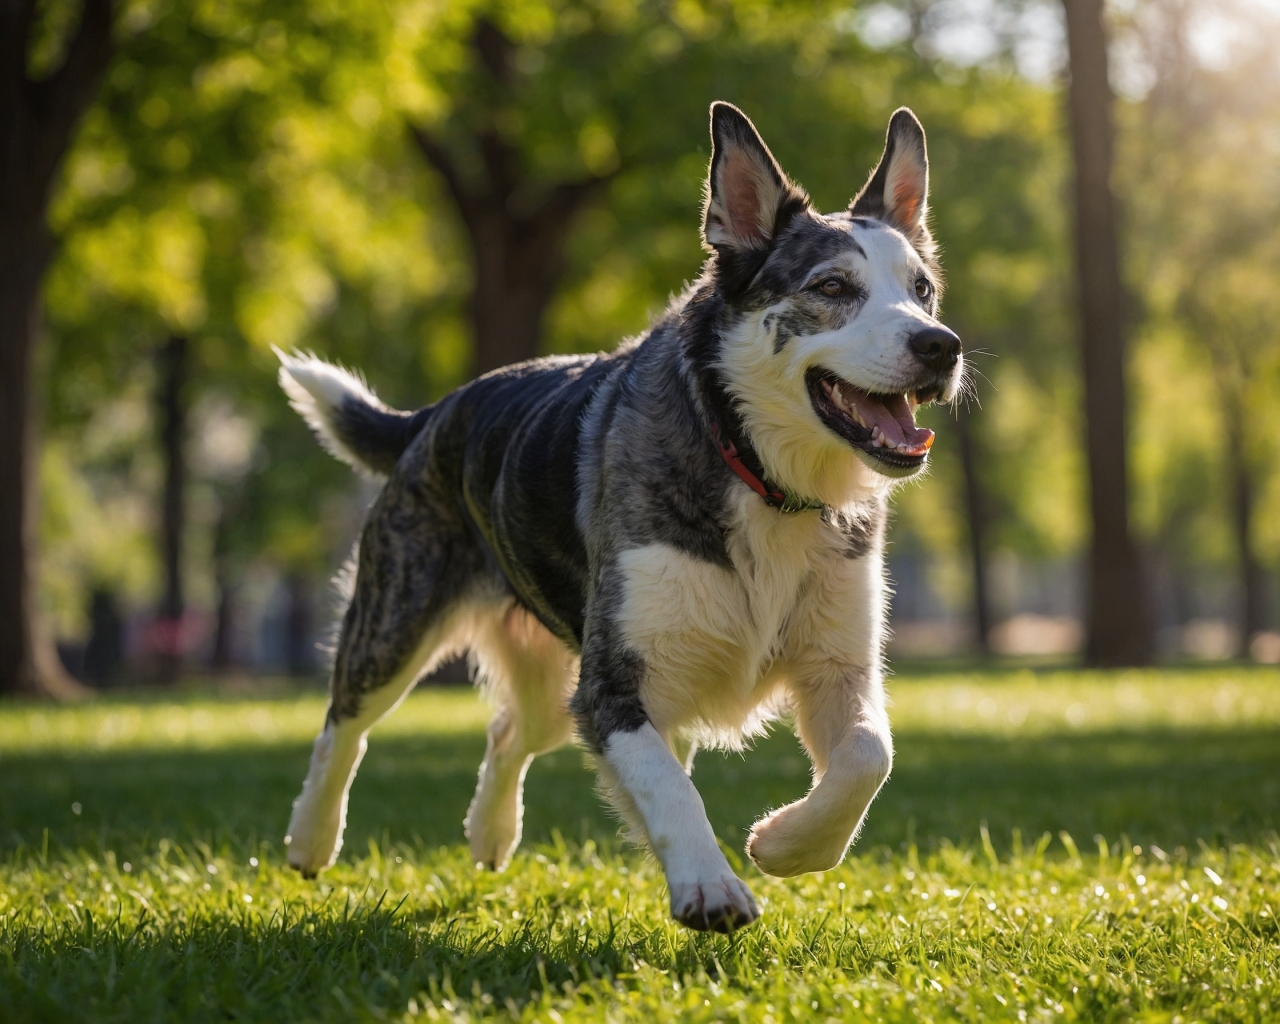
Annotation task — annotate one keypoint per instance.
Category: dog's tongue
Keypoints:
(895, 419)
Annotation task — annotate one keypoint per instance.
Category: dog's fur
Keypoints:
(575, 525)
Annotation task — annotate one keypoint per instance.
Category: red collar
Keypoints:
(776, 498)
(729, 452)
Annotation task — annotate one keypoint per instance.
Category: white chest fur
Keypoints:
(722, 644)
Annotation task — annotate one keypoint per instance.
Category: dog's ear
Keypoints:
(746, 189)
(898, 190)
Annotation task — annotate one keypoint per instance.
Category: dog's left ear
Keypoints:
(747, 192)
(898, 190)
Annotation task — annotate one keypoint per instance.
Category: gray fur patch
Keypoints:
(860, 533)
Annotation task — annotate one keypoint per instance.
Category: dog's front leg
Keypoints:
(842, 722)
(649, 786)
(644, 774)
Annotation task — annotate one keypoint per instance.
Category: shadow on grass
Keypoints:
(1166, 787)
(308, 964)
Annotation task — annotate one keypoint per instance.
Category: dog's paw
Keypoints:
(721, 904)
(490, 851)
(493, 831)
(782, 845)
(313, 844)
(309, 862)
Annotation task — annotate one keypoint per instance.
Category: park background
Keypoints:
(424, 190)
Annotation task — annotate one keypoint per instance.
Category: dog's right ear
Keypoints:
(746, 189)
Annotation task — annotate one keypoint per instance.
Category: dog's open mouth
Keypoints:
(880, 426)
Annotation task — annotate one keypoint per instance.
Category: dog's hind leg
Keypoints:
(529, 675)
(412, 600)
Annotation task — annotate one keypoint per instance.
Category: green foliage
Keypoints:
(241, 180)
(1203, 179)
(247, 177)
(141, 874)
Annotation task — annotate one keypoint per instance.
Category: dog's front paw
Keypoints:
(492, 848)
(313, 840)
(310, 858)
(784, 844)
(493, 830)
(719, 904)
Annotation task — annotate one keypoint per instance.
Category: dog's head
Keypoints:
(830, 336)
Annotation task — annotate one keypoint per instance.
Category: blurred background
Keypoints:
(425, 189)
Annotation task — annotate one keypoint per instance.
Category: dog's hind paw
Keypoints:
(718, 905)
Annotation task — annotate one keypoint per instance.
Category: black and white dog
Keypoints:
(663, 546)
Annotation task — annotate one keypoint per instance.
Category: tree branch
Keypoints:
(16, 19)
(494, 48)
(438, 157)
(567, 198)
(501, 165)
(55, 104)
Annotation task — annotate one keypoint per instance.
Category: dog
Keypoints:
(664, 546)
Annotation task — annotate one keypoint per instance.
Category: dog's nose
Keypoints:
(937, 347)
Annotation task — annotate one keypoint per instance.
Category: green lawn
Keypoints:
(1050, 846)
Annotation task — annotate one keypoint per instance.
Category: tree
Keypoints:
(172, 400)
(1006, 476)
(1118, 629)
(195, 214)
(516, 225)
(977, 515)
(38, 116)
(547, 110)
(273, 158)
(1207, 228)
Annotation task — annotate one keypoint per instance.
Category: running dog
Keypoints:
(663, 546)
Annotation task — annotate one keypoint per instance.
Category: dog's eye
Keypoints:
(832, 287)
(923, 289)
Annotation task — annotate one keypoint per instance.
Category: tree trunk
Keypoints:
(1119, 631)
(104, 653)
(29, 662)
(976, 510)
(36, 122)
(172, 362)
(224, 653)
(223, 657)
(518, 267)
(1254, 614)
(23, 249)
(300, 648)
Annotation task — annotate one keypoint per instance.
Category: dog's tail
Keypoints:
(348, 418)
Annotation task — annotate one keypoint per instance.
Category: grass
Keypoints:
(1052, 846)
